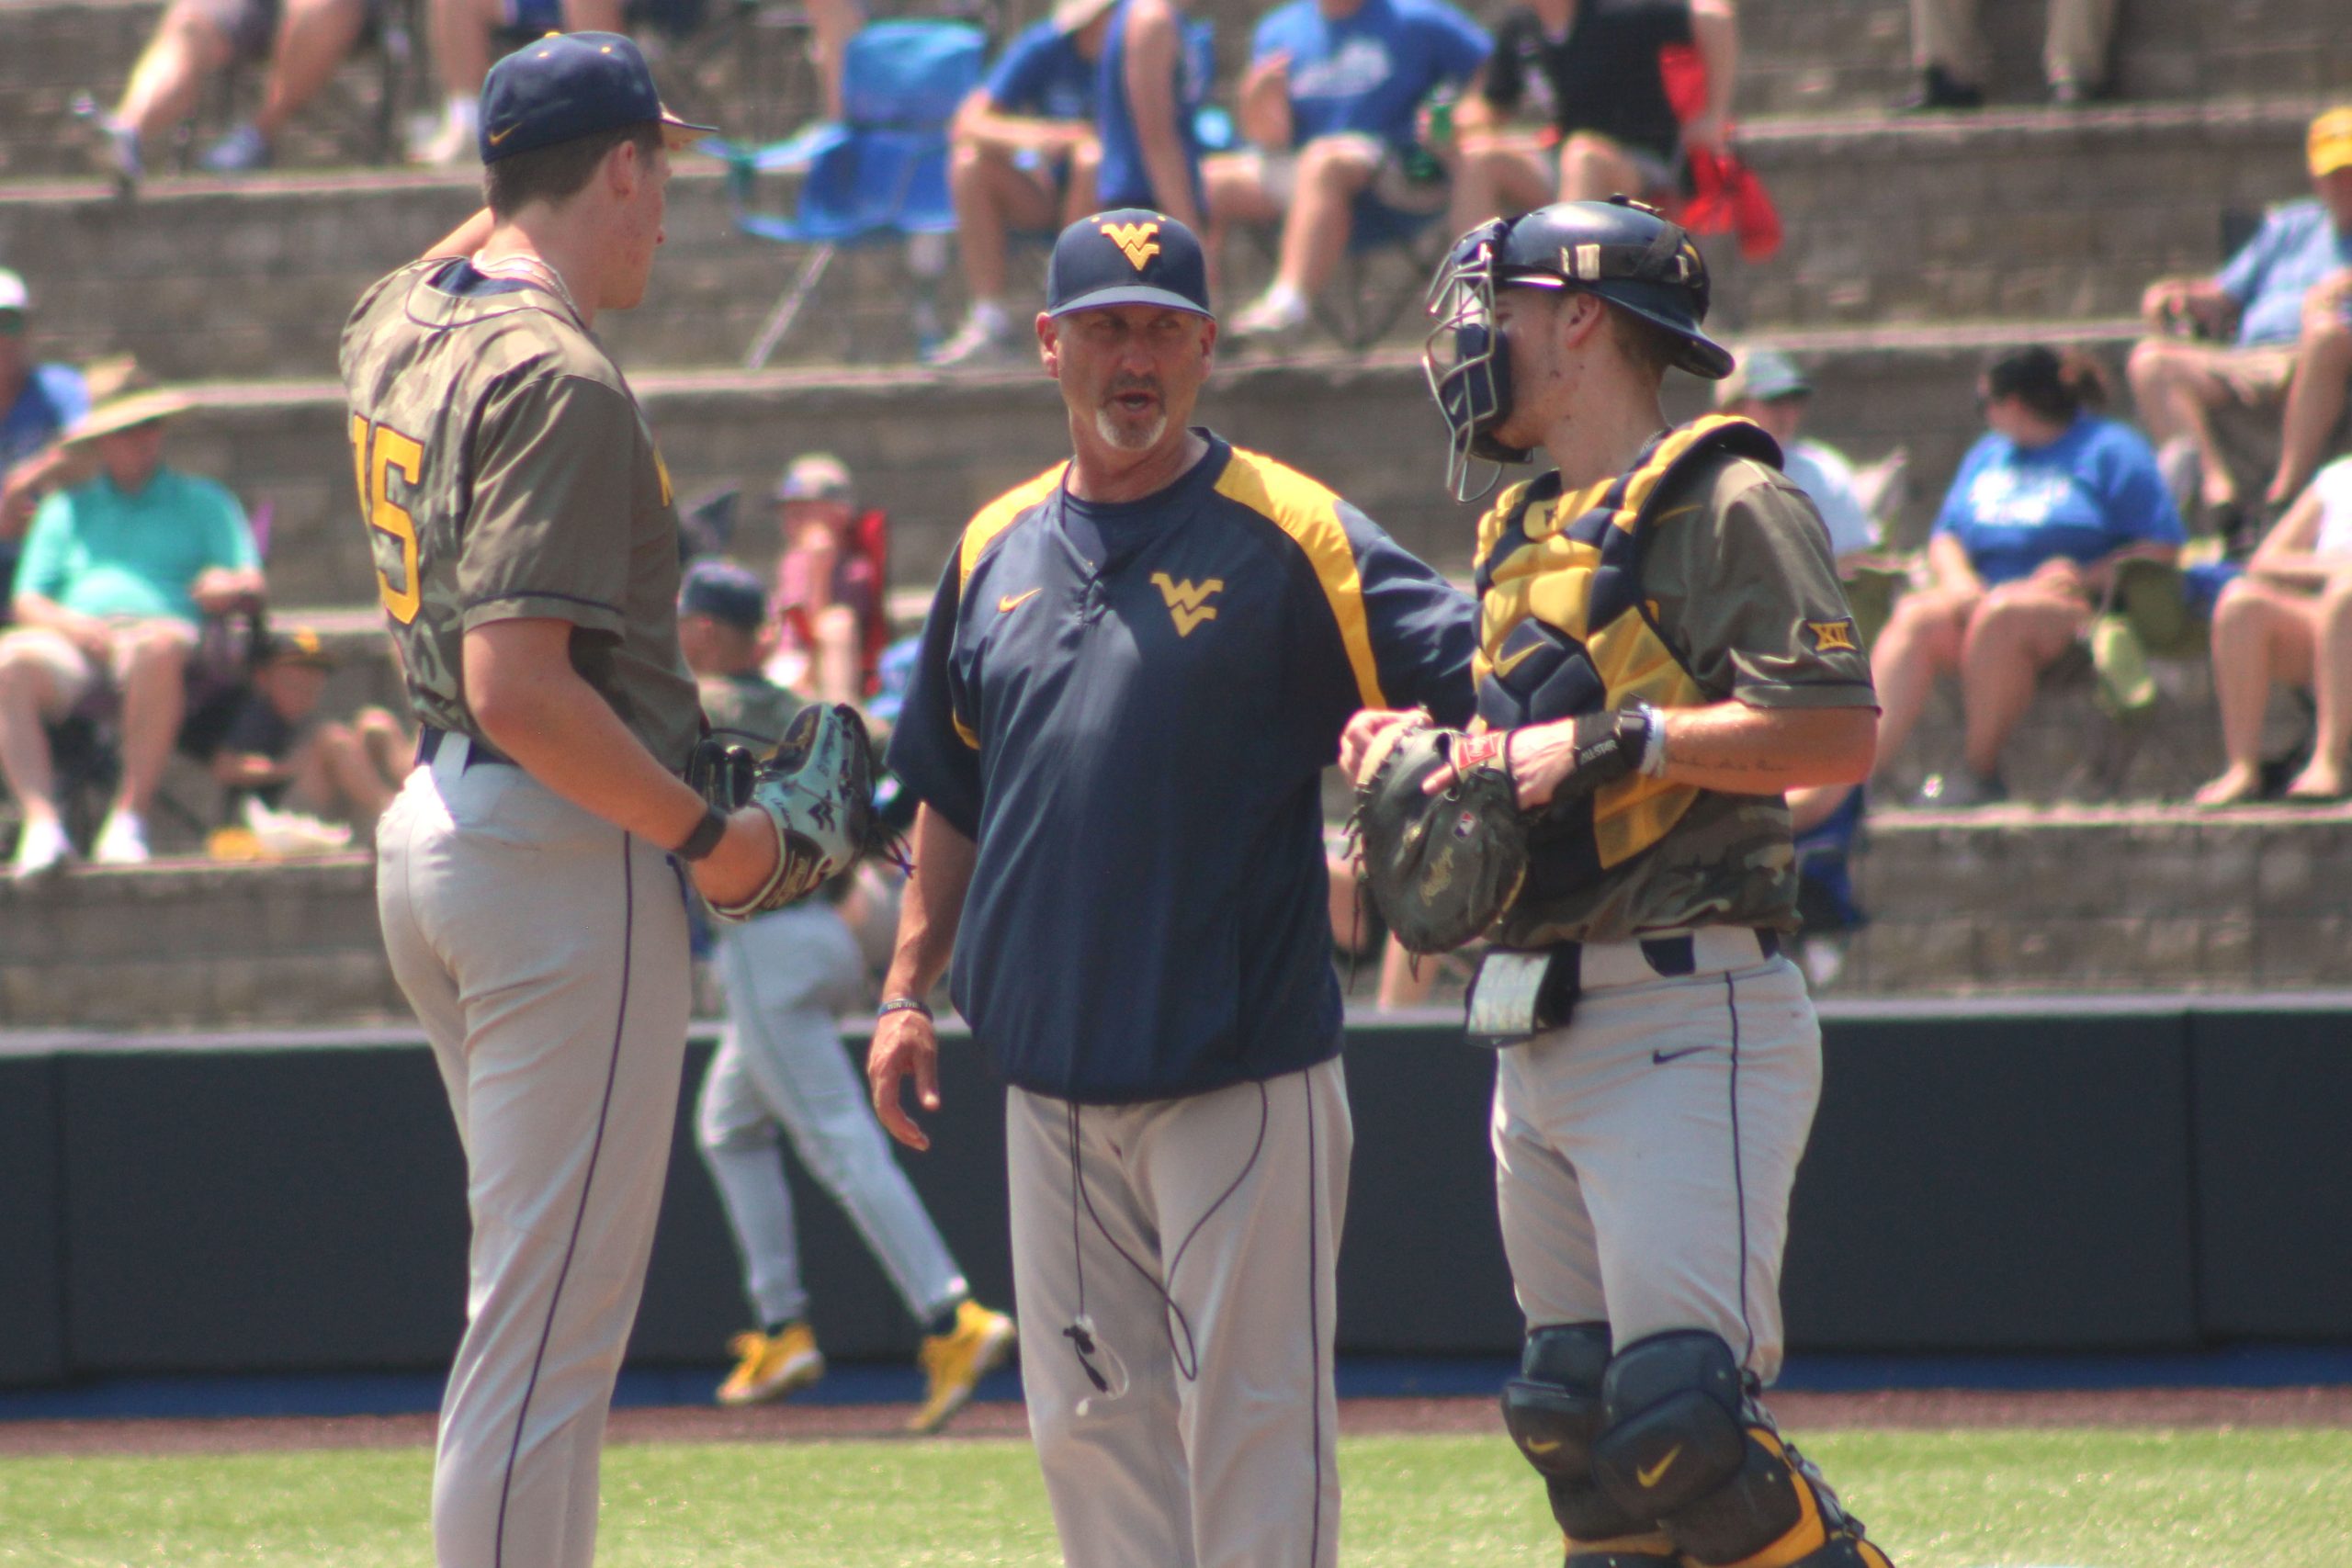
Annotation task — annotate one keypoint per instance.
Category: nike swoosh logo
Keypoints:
(1663, 1057)
(1537, 1446)
(1505, 666)
(498, 136)
(1014, 600)
(1650, 1475)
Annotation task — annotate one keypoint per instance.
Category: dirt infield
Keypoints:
(1906, 1409)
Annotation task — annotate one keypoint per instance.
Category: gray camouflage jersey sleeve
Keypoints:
(548, 535)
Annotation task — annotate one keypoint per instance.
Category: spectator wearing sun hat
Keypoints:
(829, 582)
(117, 576)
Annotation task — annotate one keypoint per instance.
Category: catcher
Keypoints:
(1664, 651)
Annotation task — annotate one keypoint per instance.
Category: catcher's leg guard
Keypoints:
(1683, 1435)
(1553, 1410)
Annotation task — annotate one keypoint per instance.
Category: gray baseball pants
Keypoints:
(780, 1065)
(1192, 1244)
(1645, 1154)
(545, 952)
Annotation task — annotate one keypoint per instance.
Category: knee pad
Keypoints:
(1683, 1444)
(1552, 1411)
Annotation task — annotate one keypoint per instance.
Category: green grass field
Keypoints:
(2267, 1498)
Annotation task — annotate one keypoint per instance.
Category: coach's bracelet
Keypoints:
(901, 1004)
(705, 836)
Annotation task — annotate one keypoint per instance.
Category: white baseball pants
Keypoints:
(1190, 1245)
(780, 1063)
(545, 952)
(1645, 1154)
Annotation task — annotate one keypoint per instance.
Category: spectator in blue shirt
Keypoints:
(2282, 312)
(1330, 104)
(2044, 508)
(1025, 157)
(118, 575)
(37, 403)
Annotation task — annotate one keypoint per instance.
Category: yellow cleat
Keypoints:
(771, 1366)
(955, 1361)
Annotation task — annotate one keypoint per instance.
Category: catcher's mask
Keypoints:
(1619, 250)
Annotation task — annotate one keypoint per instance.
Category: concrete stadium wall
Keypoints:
(2077, 1176)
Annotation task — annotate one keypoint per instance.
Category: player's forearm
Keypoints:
(465, 239)
(933, 908)
(534, 706)
(1741, 750)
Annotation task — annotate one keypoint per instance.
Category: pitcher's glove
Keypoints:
(817, 790)
(1441, 867)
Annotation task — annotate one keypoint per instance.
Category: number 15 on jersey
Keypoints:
(377, 452)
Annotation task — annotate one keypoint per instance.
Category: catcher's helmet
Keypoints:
(1620, 249)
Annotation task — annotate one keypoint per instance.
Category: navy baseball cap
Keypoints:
(1131, 256)
(567, 86)
(728, 594)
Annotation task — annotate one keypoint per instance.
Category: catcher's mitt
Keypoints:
(817, 789)
(1440, 867)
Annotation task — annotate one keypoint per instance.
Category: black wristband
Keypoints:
(902, 1004)
(705, 836)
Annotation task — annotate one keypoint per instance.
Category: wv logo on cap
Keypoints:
(1134, 238)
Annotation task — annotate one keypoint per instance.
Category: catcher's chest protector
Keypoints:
(1564, 630)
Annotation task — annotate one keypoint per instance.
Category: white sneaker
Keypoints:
(452, 146)
(978, 342)
(1272, 319)
(41, 848)
(122, 841)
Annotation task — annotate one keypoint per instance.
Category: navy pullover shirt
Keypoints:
(1128, 706)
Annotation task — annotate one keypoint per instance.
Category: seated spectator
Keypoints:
(280, 749)
(1023, 157)
(37, 402)
(1573, 105)
(2282, 308)
(117, 576)
(1948, 53)
(2045, 507)
(829, 582)
(1329, 105)
(1768, 389)
(466, 35)
(1144, 97)
(304, 42)
(2289, 620)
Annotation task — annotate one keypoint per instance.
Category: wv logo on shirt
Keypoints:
(1188, 606)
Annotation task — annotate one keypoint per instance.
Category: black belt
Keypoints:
(1673, 956)
(479, 753)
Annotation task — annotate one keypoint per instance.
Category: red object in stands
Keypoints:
(1726, 196)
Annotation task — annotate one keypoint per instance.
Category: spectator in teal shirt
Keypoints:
(117, 576)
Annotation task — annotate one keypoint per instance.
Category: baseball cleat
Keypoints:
(956, 1360)
(769, 1366)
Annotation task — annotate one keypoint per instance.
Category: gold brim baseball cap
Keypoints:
(2331, 142)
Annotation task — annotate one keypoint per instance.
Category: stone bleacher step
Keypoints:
(2009, 900)
(933, 448)
(1797, 56)
(2030, 214)
(2128, 898)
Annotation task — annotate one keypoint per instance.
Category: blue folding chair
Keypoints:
(879, 174)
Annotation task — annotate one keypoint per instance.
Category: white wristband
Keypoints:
(1652, 762)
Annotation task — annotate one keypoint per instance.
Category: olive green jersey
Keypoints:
(504, 472)
(746, 709)
(1739, 585)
